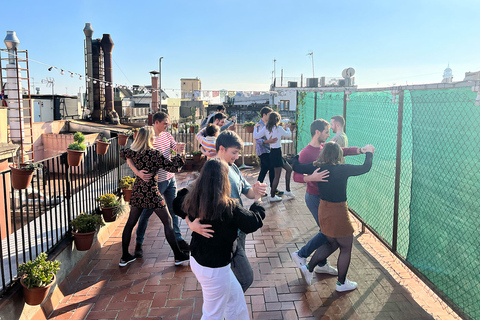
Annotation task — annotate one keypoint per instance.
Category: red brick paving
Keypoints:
(153, 288)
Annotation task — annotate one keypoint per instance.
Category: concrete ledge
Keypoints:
(13, 307)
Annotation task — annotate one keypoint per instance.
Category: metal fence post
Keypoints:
(398, 169)
(68, 195)
(315, 111)
(344, 111)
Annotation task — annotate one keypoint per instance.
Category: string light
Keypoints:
(50, 69)
(61, 72)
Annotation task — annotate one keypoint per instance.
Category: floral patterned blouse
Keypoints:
(145, 194)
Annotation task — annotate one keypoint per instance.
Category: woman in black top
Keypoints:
(210, 201)
(145, 194)
(333, 214)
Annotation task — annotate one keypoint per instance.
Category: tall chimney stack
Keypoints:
(88, 31)
(107, 46)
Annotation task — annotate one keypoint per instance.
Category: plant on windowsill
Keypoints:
(38, 276)
(84, 227)
(76, 150)
(126, 184)
(110, 206)
(21, 177)
(249, 126)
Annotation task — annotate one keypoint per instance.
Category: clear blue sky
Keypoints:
(231, 44)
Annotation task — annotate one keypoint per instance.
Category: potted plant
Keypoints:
(249, 126)
(123, 137)
(194, 128)
(21, 177)
(84, 227)
(38, 276)
(76, 150)
(293, 125)
(197, 156)
(102, 146)
(126, 184)
(175, 125)
(135, 132)
(110, 206)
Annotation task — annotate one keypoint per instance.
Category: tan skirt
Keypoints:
(334, 219)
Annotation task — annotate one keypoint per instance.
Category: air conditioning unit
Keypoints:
(312, 82)
(292, 84)
(341, 82)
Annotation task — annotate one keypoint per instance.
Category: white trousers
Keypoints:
(222, 294)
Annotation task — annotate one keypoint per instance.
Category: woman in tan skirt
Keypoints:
(333, 210)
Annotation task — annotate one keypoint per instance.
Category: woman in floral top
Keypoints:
(145, 194)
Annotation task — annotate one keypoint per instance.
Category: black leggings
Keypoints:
(166, 219)
(265, 167)
(278, 172)
(343, 262)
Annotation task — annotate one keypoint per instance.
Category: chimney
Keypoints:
(107, 46)
(88, 31)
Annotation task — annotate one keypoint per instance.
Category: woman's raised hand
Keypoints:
(369, 148)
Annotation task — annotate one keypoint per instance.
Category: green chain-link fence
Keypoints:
(438, 188)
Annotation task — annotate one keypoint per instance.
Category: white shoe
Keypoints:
(347, 286)
(307, 275)
(326, 269)
(289, 194)
(299, 261)
(275, 199)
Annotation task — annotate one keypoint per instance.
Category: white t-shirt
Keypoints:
(277, 132)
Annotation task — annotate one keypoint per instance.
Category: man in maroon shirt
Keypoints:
(320, 131)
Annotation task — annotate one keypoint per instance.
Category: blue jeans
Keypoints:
(168, 189)
(240, 266)
(319, 239)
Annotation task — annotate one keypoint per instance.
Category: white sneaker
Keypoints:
(326, 269)
(347, 286)
(299, 261)
(289, 194)
(275, 199)
(307, 275)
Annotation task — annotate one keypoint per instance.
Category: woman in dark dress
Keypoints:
(145, 194)
(333, 214)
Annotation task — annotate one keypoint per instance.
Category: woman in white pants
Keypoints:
(210, 201)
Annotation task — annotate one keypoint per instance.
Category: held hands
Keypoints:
(234, 119)
(368, 148)
(273, 140)
(144, 175)
(259, 189)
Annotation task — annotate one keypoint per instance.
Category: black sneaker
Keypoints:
(183, 245)
(265, 195)
(126, 260)
(181, 259)
(138, 251)
(279, 193)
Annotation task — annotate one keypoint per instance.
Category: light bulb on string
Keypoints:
(94, 81)
(71, 74)
(80, 77)
(62, 72)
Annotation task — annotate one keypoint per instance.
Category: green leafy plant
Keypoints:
(108, 200)
(293, 123)
(86, 223)
(78, 144)
(31, 166)
(39, 272)
(194, 153)
(126, 182)
(249, 124)
(104, 139)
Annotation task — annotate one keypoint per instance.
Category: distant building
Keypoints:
(188, 88)
(472, 76)
(447, 75)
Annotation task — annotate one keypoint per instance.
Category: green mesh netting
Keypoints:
(445, 205)
(439, 207)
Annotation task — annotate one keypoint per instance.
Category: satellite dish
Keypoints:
(348, 72)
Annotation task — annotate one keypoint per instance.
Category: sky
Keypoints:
(232, 44)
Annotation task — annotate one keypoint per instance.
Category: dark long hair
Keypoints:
(273, 121)
(210, 195)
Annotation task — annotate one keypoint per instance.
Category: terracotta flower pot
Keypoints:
(122, 139)
(293, 127)
(74, 157)
(249, 129)
(109, 214)
(35, 296)
(102, 147)
(192, 129)
(83, 241)
(127, 194)
(197, 157)
(21, 178)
